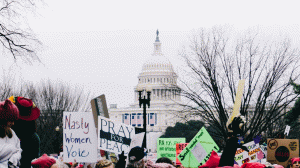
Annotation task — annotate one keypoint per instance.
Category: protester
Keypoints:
(25, 128)
(161, 164)
(234, 128)
(295, 162)
(104, 164)
(135, 157)
(10, 151)
(164, 160)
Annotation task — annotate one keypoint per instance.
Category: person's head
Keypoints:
(295, 162)
(9, 113)
(135, 157)
(27, 108)
(26, 124)
(104, 164)
(164, 160)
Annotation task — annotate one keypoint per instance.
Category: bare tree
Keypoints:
(52, 98)
(15, 36)
(216, 65)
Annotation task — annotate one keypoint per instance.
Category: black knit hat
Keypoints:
(137, 153)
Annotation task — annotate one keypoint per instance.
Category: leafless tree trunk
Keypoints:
(15, 37)
(216, 67)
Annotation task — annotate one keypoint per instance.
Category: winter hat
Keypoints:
(8, 111)
(103, 163)
(253, 165)
(234, 166)
(150, 164)
(213, 161)
(43, 162)
(277, 166)
(28, 110)
(295, 160)
(137, 153)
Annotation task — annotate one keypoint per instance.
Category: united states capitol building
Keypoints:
(158, 74)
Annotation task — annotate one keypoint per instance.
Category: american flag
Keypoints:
(139, 119)
(126, 119)
(152, 119)
(133, 119)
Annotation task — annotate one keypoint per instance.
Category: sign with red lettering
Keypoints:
(280, 151)
(253, 155)
(179, 148)
(79, 137)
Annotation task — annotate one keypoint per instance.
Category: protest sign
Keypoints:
(253, 155)
(137, 140)
(79, 137)
(238, 101)
(114, 136)
(99, 108)
(198, 151)
(287, 130)
(166, 147)
(179, 148)
(280, 151)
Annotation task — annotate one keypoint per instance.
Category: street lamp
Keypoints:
(144, 102)
(57, 148)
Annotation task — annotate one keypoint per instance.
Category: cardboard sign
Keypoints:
(280, 151)
(179, 149)
(166, 147)
(99, 108)
(254, 154)
(198, 151)
(79, 137)
(114, 136)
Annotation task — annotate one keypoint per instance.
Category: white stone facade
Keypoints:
(157, 73)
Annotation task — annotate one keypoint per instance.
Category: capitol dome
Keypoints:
(158, 74)
(157, 63)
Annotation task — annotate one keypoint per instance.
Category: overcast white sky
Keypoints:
(102, 45)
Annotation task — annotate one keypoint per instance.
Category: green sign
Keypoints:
(198, 151)
(166, 147)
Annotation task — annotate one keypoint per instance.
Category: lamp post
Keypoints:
(57, 148)
(144, 101)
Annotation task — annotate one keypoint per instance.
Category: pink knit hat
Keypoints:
(253, 165)
(8, 111)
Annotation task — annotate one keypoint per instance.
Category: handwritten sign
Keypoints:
(179, 148)
(114, 136)
(166, 147)
(254, 154)
(79, 137)
(198, 151)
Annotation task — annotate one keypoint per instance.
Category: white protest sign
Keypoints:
(287, 130)
(79, 137)
(137, 140)
(114, 136)
(253, 155)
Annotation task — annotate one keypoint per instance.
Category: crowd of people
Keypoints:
(19, 145)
